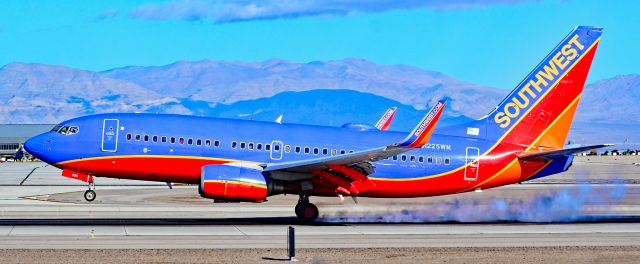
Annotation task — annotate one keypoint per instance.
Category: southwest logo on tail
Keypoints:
(240, 160)
(539, 81)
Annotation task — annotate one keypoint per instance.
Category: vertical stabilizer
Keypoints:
(539, 111)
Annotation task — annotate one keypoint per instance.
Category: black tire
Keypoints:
(298, 210)
(307, 212)
(89, 195)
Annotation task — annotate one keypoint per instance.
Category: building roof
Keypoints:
(18, 133)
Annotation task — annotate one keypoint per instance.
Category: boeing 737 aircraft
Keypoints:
(243, 160)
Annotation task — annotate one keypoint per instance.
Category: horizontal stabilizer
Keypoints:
(560, 152)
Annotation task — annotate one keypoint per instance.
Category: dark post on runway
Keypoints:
(291, 243)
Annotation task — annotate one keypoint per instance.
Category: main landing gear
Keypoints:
(306, 211)
(90, 194)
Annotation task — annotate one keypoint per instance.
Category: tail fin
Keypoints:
(539, 111)
(421, 134)
(385, 120)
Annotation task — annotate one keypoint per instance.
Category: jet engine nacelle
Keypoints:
(233, 183)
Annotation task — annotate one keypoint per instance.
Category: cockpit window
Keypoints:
(66, 130)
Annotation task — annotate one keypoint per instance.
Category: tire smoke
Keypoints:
(577, 202)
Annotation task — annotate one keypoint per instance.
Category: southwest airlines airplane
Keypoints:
(242, 160)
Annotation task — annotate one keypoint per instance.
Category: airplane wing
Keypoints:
(385, 120)
(559, 152)
(416, 139)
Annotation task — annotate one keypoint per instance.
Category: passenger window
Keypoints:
(350, 151)
(207, 143)
(234, 144)
(267, 147)
(306, 150)
(316, 151)
(421, 159)
(429, 160)
(216, 143)
(128, 136)
(325, 151)
(250, 146)
(395, 157)
(334, 152)
(259, 146)
(199, 142)
(146, 138)
(413, 158)
(137, 137)
(404, 157)
(155, 138)
(297, 149)
(438, 160)
(164, 139)
(181, 141)
(242, 145)
(190, 141)
(342, 151)
(173, 140)
(287, 148)
(276, 147)
(447, 161)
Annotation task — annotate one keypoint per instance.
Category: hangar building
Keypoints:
(12, 136)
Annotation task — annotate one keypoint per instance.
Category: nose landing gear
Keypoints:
(90, 194)
(306, 211)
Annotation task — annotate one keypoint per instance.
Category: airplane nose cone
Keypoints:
(35, 146)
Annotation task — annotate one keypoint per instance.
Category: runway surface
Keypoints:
(180, 235)
(597, 204)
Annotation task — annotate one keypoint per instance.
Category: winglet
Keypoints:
(279, 119)
(385, 120)
(421, 134)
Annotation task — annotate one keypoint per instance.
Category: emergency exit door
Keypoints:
(473, 164)
(110, 135)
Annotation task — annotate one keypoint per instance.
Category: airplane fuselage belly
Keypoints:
(188, 169)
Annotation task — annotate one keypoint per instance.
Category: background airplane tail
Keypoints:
(539, 111)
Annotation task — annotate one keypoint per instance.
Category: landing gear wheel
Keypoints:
(298, 209)
(307, 212)
(90, 195)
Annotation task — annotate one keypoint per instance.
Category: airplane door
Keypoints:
(276, 150)
(471, 158)
(110, 135)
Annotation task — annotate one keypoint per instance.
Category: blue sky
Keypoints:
(494, 43)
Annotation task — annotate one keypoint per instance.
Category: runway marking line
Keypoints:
(38, 197)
